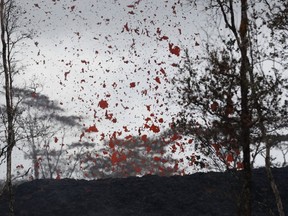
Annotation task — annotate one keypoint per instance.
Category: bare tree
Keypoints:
(10, 38)
(41, 123)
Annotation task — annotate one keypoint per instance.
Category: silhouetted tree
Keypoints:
(11, 36)
(231, 103)
(42, 120)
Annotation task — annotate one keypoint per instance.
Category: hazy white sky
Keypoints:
(85, 45)
(120, 52)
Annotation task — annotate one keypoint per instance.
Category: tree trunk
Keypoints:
(245, 206)
(272, 181)
(9, 102)
(265, 139)
(35, 161)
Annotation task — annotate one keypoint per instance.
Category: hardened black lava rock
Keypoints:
(200, 194)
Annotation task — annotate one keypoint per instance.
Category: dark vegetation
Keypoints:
(197, 194)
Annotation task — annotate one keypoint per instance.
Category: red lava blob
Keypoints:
(132, 85)
(157, 79)
(103, 104)
(174, 49)
(144, 138)
(155, 128)
(91, 129)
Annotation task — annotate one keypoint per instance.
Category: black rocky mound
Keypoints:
(198, 194)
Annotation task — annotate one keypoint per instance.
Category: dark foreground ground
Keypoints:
(199, 194)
